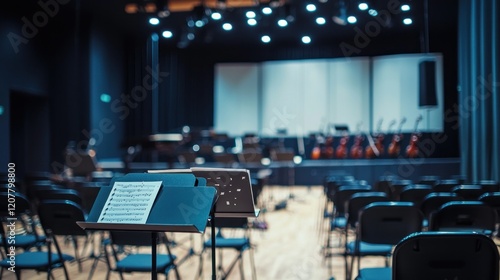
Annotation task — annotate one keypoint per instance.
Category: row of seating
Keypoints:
(380, 219)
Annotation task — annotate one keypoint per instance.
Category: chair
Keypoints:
(469, 192)
(464, 216)
(446, 185)
(58, 218)
(29, 237)
(240, 244)
(127, 261)
(397, 186)
(60, 194)
(428, 179)
(435, 200)
(415, 193)
(49, 259)
(338, 220)
(445, 255)
(383, 223)
(489, 185)
(357, 202)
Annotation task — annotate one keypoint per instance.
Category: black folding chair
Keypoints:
(383, 223)
(445, 255)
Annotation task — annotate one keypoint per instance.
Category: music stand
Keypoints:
(174, 197)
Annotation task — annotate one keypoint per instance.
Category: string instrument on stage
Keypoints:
(327, 152)
(395, 146)
(412, 148)
(357, 147)
(375, 146)
(341, 151)
(316, 150)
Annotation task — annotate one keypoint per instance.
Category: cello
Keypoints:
(412, 148)
(357, 148)
(375, 147)
(395, 146)
(341, 151)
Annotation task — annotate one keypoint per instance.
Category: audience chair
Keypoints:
(489, 185)
(464, 216)
(469, 192)
(446, 185)
(383, 223)
(433, 201)
(428, 180)
(397, 186)
(445, 255)
(415, 193)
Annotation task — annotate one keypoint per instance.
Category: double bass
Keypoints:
(412, 148)
(395, 146)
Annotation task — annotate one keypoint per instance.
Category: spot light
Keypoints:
(251, 22)
(372, 12)
(154, 21)
(266, 39)
(363, 6)
(282, 22)
(352, 19)
(167, 34)
(306, 39)
(407, 21)
(405, 8)
(250, 14)
(267, 10)
(227, 26)
(311, 7)
(320, 20)
(216, 16)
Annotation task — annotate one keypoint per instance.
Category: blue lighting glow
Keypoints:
(351, 19)
(106, 98)
(306, 39)
(320, 20)
(267, 10)
(227, 26)
(154, 21)
(311, 7)
(266, 39)
(167, 34)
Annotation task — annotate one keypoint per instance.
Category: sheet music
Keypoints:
(130, 202)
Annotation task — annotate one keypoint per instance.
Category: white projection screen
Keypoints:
(309, 96)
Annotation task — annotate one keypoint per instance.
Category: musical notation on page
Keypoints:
(129, 202)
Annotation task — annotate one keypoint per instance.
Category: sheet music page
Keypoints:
(130, 202)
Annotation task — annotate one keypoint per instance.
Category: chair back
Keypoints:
(415, 193)
(358, 201)
(446, 185)
(469, 192)
(343, 195)
(59, 217)
(388, 222)
(445, 255)
(435, 200)
(397, 186)
(464, 216)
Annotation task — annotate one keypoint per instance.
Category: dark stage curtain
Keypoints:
(479, 83)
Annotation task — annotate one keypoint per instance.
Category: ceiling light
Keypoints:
(405, 8)
(372, 12)
(131, 8)
(320, 20)
(154, 21)
(216, 16)
(190, 36)
(351, 19)
(282, 22)
(311, 7)
(407, 21)
(363, 6)
(250, 14)
(167, 34)
(266, 39)
(306, 39)
(227, 26)
(267, 10)
(251, 21)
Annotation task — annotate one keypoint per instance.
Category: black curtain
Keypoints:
(479, 103)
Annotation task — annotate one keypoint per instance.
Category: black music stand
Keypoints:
(234, 191)
(174, 209)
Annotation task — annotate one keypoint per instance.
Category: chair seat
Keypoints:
(35, 260)
(375, 273)
(338, 222)
(27, 240)
(369, 249)
(142, 263)
(236, 243)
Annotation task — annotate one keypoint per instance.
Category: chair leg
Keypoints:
(242, 273)
(252, 263)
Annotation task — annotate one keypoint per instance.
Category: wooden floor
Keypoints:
(291, 247)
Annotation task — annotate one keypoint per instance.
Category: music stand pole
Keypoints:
(154, 275)
(212, 226)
